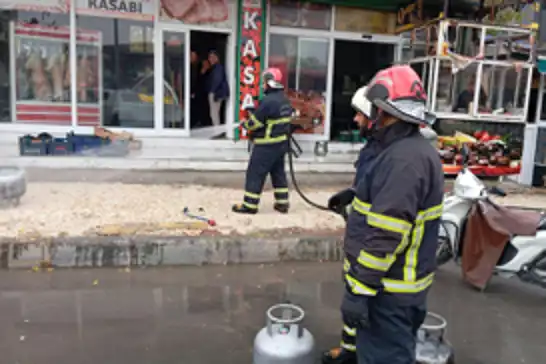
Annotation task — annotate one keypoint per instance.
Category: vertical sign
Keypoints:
(250, 42)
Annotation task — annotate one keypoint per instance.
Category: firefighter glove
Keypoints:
(354, 310)
(338, 202)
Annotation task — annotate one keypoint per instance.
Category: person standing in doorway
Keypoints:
(218, 87)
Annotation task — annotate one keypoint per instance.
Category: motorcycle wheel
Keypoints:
(443, 252)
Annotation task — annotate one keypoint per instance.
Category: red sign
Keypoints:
(250, 43)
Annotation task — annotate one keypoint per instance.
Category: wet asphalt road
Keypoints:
(210, 315)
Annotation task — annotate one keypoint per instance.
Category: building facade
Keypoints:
(75, 64)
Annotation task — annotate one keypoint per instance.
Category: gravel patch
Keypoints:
(76, 209)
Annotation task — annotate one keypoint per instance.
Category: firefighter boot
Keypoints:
(243, 209)
(339, 356)
(281, 207)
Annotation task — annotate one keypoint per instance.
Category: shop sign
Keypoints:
(416, 15)
(132, 9)
(35, 5)
(410, 16)
(215, 14)
(357, 20)
(250, 45)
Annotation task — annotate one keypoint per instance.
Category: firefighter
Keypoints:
(392, 229)
(270, 127)
(346, 352)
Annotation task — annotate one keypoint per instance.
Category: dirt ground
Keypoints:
(75, 209)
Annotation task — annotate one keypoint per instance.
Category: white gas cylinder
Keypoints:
(284, 340)
(432, 346)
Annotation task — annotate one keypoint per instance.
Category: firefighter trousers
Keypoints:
(348, 338)
(266, 159)
(392, 334)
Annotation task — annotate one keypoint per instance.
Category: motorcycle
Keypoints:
(523, 256)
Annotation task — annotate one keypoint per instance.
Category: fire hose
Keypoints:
(294, 151)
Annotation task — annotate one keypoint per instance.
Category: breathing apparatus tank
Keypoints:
(284, 340)
(432, 346)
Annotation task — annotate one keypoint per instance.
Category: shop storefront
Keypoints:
(75, 64)
(71, 65)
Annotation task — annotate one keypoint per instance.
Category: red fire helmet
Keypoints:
(273, 78)
(399, 91)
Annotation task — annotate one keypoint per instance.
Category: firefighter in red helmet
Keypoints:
(270, 126)
(392, 228)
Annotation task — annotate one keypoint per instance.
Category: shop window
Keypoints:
(212, 14)
(301, 14)
(349, 19)
(41, 73)
(304, 64)
(115, 63)
(504, 90)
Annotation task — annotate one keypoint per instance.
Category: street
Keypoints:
(210, 314)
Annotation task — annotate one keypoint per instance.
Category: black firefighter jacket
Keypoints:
(270, 122)
(392, 230)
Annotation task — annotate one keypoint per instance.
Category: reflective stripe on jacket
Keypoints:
(270, 122)
(392, 230)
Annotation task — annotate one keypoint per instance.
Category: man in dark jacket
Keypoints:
(392, 229)
(269, 126)
(218, 89)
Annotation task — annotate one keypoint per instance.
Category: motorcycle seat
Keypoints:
(542, 222)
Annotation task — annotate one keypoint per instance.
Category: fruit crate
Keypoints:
(60, 146)
(33, 146)
(84, 142)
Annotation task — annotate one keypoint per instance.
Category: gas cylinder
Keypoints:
(284, 340)
(432, 346)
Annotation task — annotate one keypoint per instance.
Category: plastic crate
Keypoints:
(60, 146)
(82, 142)
(32, 146)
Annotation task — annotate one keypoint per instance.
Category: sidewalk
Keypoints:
(94, 224)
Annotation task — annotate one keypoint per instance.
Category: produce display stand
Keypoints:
(481, 171)
(478, 80)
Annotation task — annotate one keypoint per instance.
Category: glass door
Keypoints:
(171, 81)
(354, 67)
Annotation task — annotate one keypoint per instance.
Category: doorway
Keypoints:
(203, 109)
(355, 64)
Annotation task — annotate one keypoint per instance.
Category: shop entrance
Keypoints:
(207, 115)
(355, 64)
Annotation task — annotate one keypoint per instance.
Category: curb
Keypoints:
(87, 252)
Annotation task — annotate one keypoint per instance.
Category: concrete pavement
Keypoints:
(211, 314)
